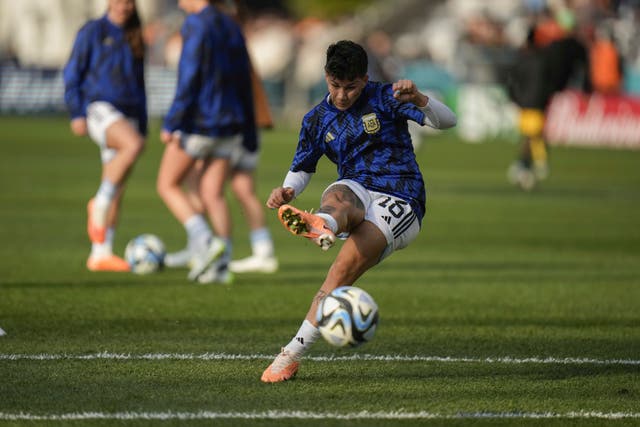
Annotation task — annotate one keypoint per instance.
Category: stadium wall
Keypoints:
(484, 111)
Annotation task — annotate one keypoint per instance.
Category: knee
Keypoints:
(137, 146)
(134, 148)
(164, 186)
(346, 271)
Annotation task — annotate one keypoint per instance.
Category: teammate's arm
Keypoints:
(74, 72)
(188, 70)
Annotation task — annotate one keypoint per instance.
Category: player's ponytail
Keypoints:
(133, 34)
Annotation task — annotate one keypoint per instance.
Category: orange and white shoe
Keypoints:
(107, 263)
(96, 233)
(283, 368)
(307, 225)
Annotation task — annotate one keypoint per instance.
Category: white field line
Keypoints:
(355, 357)
(277, 415)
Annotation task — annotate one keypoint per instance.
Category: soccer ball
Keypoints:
(348, 316)
(145, 254)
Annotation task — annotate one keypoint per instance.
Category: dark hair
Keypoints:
(346, 60)
(133, 34)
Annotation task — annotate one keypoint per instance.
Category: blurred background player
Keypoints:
(605, 61)
(211, 113)
(244, 162)
(378, 202)
(105, 94)
(552, 59)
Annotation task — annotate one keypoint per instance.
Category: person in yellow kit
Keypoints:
(539, 73)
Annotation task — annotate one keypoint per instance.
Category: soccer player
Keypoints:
(105, 94)
(538, 73)
(378, 202)
(211, 113)
(244, 161)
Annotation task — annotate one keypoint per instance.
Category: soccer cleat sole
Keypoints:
(296, 224)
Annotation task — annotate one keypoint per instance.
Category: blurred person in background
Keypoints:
(244, 161)
(605, 61)
(545, 65)
(378, 202)
(105, 94)
(211, 114)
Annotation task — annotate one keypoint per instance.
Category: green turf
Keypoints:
(495, 273)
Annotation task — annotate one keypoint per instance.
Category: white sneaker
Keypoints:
(216, 273)
(519, 175)
(177, 259)
(202, 260)
(527, 180)
(254, 264)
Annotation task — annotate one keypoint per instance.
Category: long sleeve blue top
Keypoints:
(213, 94)
(102, 67)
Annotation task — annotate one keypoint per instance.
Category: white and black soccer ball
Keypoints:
(348, 316)
(145, 254)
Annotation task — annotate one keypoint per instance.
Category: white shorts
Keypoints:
(101, 115)
(392, 215)
(243, 160)
(203, 147)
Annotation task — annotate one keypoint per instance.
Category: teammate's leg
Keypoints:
(204, 247)
(262, 257)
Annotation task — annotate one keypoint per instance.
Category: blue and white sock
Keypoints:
(261, 243)
(304, 339)
(198, 233)
(329, 220)
(100, 250)
(102, 202)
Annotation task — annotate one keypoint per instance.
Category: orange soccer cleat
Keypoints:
(107, 263)
(307, 225)
(284, 367)
(96, 233)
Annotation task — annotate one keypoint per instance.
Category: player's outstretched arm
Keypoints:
(437, 115)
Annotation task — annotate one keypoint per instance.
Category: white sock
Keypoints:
(102, 202)
(228, 250)
(304, 339)
(261, 243)
(198, 232)
(104, 249)
(331, 222)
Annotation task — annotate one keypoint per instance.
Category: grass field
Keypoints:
(509, 309)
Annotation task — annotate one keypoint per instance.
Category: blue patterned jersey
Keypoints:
(102, 68)
(213, 96)
(369, 143)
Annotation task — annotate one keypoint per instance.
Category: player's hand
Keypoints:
(167, 137)
(406, 91)
(79, 126)
(279, 196)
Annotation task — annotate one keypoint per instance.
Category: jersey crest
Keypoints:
(370, 123)
(329, 137)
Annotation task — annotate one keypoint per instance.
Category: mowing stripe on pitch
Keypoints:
(276, 415)
(354, 357)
